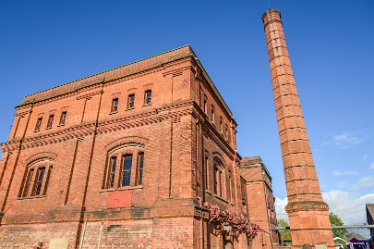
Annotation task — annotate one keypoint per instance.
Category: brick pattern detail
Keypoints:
(308, 213)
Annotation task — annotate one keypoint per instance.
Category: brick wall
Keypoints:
(175, 132)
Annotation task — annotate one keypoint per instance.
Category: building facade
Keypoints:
(139, 156)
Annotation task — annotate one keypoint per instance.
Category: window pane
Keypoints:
(206, 172)
(63, 118)
(126, 170)
(148, 97)
(28, 182)
(112, 172)
(47, 180)
(38, 124)
(228, 184)
(131, 101)
(212, 114)
(140, 168)
(38, 181)
(114, 105)
(220, 183)
(50, 121)
(215, 180)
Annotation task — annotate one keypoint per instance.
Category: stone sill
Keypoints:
(121, 189)
(31, 197)
(221, 198)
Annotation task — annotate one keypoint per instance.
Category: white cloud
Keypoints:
(347, 205)
(344, 173)
(364, 182)
(371, 166)
(345, 139)
(280, 210)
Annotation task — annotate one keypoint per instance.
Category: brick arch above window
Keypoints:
(41, 156)
(217, 157)
(129, 141)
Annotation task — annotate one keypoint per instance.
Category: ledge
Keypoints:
(31, 197)
(221, 199)
(122, 189)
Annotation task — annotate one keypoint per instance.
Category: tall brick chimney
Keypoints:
(308, 214)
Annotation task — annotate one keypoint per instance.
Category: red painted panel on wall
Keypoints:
(119, 199)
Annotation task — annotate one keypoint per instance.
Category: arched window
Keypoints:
(244, 207)
(229, 186)
(124, 166)
(218, 176)
(36, 178)
(206, 170)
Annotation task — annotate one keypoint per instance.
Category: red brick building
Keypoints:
(139, 156)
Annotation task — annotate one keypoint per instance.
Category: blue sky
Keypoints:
(46, 43)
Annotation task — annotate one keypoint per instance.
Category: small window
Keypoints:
(63, 118)
(218, 175)
(112, 172)
(226, 130)
(38, 182)
(205, 106)
(212, 114)
(131, 101)
(206, 173)
(126, 170)
(217, 181)
(38, 124)
(50, 121)
(147, 97)
(114, 105)
(139, 177)
(229, 187)
(229, 135)
(220, 124)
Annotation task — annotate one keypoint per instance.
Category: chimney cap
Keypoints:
(269, 11)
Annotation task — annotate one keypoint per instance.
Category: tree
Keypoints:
(337, 221)
(285, 234)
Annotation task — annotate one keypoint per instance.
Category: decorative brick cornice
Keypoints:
(22, 114)
(119, 72)
(88, 95)
(176, 72)
(173, 111)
